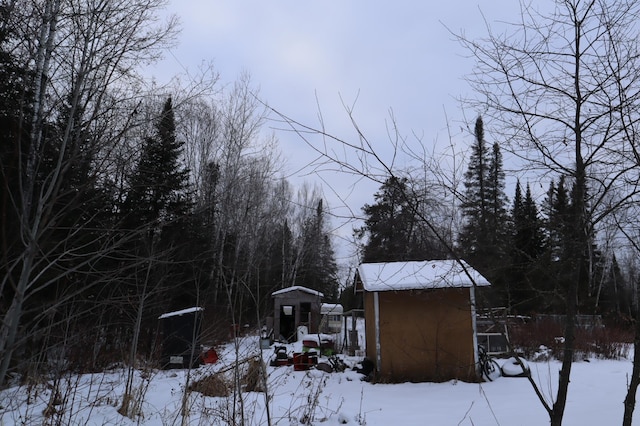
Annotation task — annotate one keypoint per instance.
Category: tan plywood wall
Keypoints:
(425, 335)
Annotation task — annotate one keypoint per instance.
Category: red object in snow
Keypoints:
(300, 361)
(210, 356)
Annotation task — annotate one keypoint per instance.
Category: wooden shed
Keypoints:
(294, 307)
(420, 319)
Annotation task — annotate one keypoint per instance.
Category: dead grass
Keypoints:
(218, 384)
(254, 380)
(215, 385)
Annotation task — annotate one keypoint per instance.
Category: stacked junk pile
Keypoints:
(305, 330)
(313, 345)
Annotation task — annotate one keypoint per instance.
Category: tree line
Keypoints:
(121, 199)
(520, 245)
(558, 85)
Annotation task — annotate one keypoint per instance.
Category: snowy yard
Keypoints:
(595, 398)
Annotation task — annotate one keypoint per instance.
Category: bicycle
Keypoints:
(337, 364)
(489, 367)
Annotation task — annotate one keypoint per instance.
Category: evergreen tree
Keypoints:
(76, 222)
(16, 98)
(532, 226)
(497, 205)
(562, 253)
(612, 295)
(558, 219)
(557, 225)
(393, 228)
(474, 236)
(527, 248)
(158, 188)
(63, 68)
(484, 237)
(318, 269)
(157, 206)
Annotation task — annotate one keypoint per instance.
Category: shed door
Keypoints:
(288, 322)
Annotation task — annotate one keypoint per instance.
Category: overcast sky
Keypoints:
(305, 54)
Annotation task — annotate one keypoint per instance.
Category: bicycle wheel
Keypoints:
(490, 369)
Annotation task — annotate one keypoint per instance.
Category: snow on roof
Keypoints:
(391, 276)
(331, 308)
(318, 338)
(180, 312)
(298, 288)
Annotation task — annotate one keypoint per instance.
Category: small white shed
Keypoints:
(331, 318)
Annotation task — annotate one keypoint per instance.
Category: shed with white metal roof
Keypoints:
(420, 319)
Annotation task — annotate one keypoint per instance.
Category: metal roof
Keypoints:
(297, 288)
(181, 312)
(432, 274)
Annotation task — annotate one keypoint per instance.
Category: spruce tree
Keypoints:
(473, 238)
(484, 236)
(497, 203)
(558, 221)
(15, 115)
(555, 209)
(318, 269)
(158, 188)
(563, 252)
(528, 242)
(527, 248)
(157, 207)
(393, 229)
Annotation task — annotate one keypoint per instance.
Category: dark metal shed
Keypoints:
(180, 338)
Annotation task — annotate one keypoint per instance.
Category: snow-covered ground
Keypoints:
(314, 397)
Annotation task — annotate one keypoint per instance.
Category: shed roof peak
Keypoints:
(297, 288)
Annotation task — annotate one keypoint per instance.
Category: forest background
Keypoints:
(122, 199)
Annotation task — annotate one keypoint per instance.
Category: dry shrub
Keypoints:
(540, 340)
(537, 340)
(216, 385)
(604, 342)
(219, 385)
(253, 380)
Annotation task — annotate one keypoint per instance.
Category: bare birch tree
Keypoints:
(560, 89)
(561, 92)
(84, 56)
